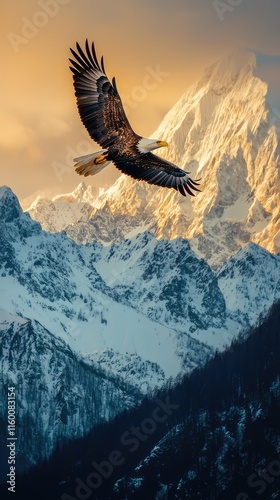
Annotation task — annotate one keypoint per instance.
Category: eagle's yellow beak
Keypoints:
(162, 144)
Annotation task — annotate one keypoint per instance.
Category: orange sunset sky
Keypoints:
(172, 39)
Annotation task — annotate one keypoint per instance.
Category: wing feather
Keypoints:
(156, 170)
(101, 111)
(89, 54)
(99, 103)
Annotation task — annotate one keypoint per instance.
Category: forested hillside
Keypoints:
(214, 436)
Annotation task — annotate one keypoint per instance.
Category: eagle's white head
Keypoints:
(146, 145)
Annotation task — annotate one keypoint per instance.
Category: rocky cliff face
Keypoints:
(51, 385)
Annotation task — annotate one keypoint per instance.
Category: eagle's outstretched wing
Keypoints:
(98, 100)
(156, 170)
(102, 113)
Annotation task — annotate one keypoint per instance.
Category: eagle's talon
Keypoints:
(101, 159)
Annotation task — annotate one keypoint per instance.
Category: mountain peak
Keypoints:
(10, 208)
(232, 64)
(228, 68)
(82, 194)
(252, 251)
(223, 131)
(75, 195)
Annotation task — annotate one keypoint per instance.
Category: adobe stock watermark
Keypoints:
(11, 439)
(223, 7)
(82, 148)
(259, 481)
(150, 81)
(48, 9)
(131, 440)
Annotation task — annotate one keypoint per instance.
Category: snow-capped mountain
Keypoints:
(49, 278)
(226, 437)
(153, 299)
(52, 385)
(124, 319)
(108, 295)
(59, 212)
(167, 282)
(219, 427)
(223, 131)
(241, 281)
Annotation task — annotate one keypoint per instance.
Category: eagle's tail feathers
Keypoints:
(91, 164)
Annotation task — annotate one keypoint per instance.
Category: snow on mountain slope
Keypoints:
(148, 298)
(49, 278)
(111, 323)
(222, 130)
(7, 319)
(52, 385)
(165, 280)
(250, 283)
(59, 212)
(168, 283)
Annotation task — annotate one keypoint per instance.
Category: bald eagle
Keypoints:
(101, 111)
